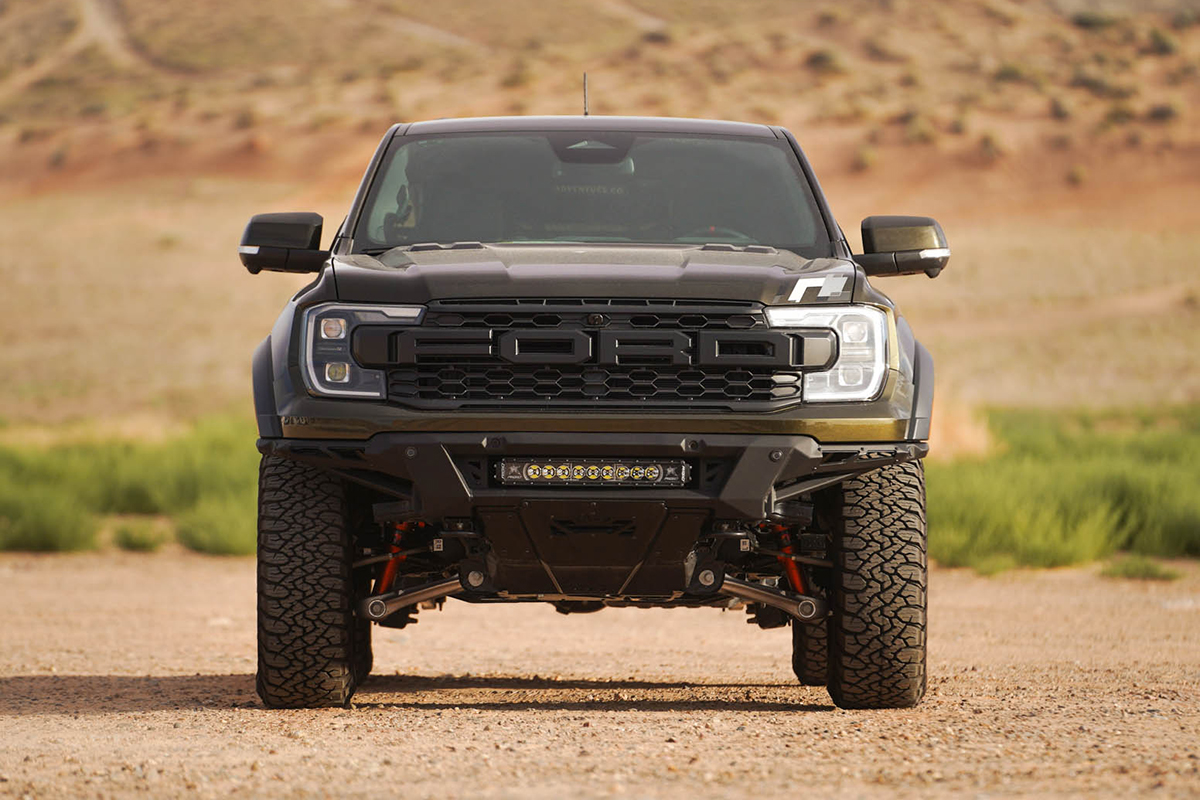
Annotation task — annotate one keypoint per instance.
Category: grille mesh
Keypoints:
(444, 381)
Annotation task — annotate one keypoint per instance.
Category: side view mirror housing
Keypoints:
(288, 242)
(903, 246)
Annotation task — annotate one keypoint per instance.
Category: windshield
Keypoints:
(591, 187)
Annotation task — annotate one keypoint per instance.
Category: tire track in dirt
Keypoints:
(99, 24)
(406, 26)
(101, 18)
(22, 79)
(429, 33)
(621, 10)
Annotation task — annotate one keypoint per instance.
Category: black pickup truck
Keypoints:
(592, 361)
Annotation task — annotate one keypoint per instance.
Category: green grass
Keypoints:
(222, 524)
(1138, 568)
(205, 481)
(1069, 488)
(42, 517)
(140, 535)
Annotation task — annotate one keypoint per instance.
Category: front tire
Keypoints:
(309, 644)
(810, 652)
(877, 624)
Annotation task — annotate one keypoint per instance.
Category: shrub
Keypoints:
(1138, 568)
(42, 518)
(1162, 112)
(140, 535)
(1011, 73)
(1101, 87)
(50, 494)
(1162, 43)
(1093, 20)
(920, 130)
(1066, 492)
(824, 62)
(878, 50)
(245, 119)
(1120, 114)
(990, 146)
(518, 75)
(864, 159)
(220, 525)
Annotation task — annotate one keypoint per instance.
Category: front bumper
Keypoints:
(453, 474)
(589, 541)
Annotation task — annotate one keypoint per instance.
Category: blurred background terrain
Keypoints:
(1058, 143)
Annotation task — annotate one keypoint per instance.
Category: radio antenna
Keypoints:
(585, 104)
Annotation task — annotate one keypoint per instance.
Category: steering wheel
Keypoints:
(717, 231)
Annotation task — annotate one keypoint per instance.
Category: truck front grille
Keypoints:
(480, 384)
(475, 380)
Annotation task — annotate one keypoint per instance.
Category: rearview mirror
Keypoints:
(283, 243)
(903, 246)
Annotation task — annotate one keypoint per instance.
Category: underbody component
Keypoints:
(802, 607)
(383, 606)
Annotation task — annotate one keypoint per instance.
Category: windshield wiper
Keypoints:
(418, 247)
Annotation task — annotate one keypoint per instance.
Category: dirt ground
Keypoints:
(125, 675)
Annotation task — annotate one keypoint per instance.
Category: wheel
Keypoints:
(810, 652)
(310, 649)
(878, 600)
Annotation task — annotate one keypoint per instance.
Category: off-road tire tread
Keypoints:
(306, 623)
(810, 652)
(877, 627)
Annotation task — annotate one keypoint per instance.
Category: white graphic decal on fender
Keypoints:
(830, 286)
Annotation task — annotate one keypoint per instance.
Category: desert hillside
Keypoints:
(1056, 141)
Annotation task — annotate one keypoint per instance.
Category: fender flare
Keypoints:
(265, 410)
(922, 413)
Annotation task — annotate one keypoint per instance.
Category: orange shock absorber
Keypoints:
(392, 567)
(789, 566)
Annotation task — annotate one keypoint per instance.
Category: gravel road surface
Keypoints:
(126, 675)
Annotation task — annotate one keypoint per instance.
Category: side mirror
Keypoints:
(283, 243)
(903, 246)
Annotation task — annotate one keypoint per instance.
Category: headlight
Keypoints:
(327, 348)
(861, 366)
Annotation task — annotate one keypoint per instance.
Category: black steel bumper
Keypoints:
(453, 474)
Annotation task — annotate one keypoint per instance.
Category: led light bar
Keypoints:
(592, 472)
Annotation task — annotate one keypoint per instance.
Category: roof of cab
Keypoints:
(592, 123)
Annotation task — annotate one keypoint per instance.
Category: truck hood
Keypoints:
(709, 272)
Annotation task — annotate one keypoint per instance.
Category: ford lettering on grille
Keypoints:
(570, 356)
(671, 348)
